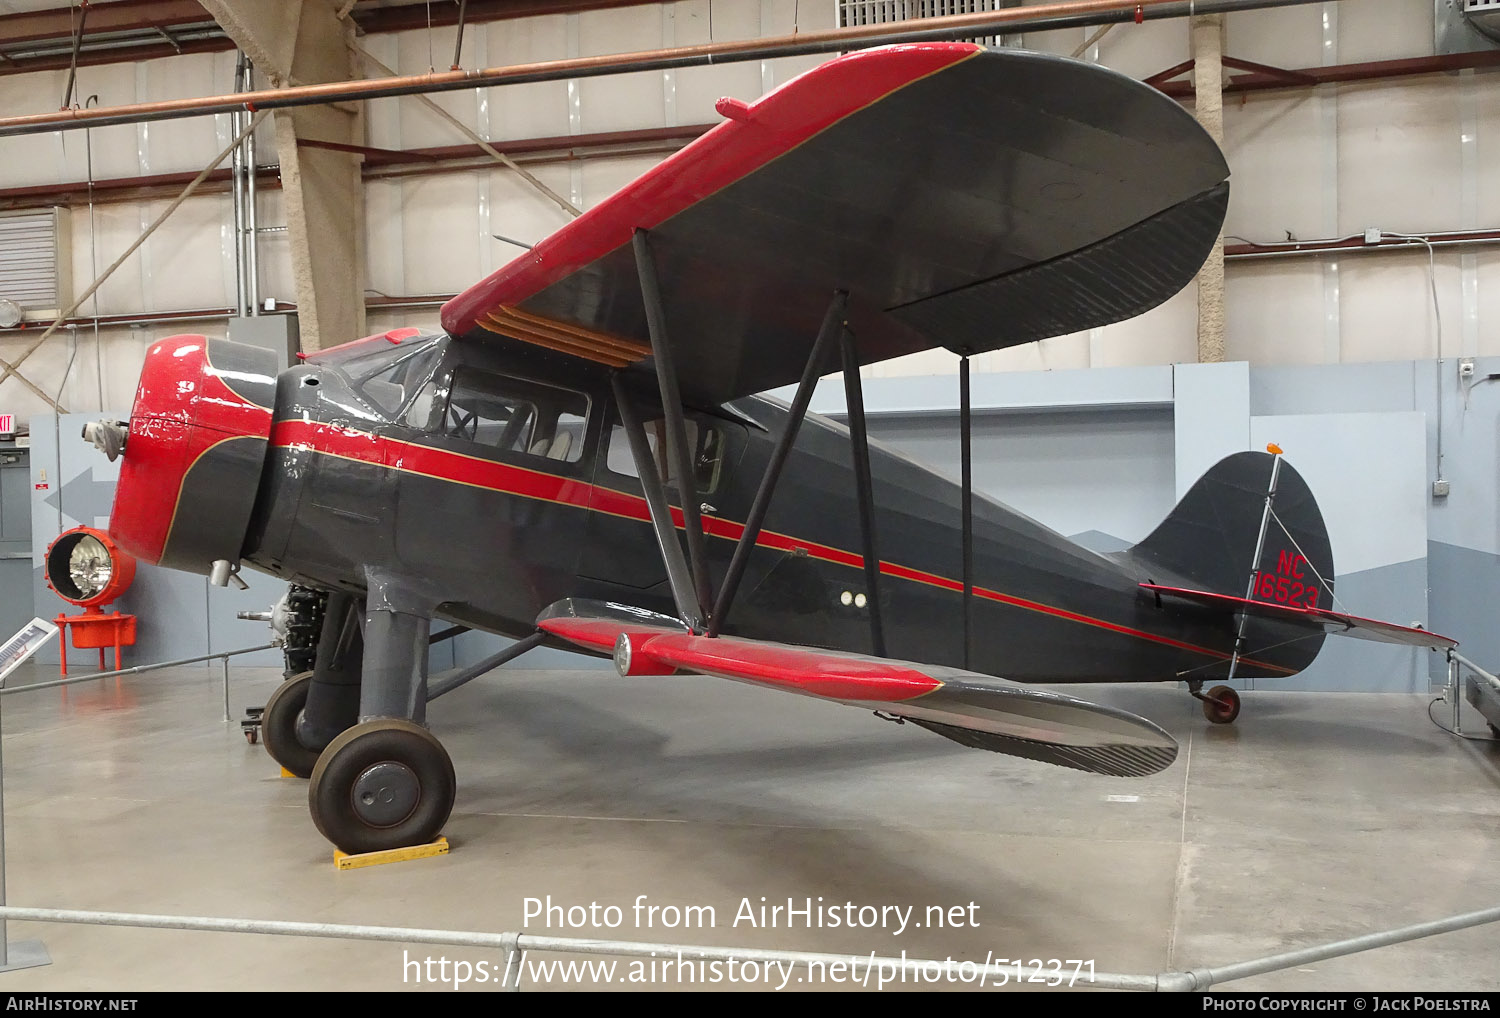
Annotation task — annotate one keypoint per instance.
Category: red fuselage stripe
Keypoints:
(442, 465)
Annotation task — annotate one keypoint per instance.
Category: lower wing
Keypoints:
(972, 709)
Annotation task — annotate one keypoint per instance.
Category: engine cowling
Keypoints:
(194, 452)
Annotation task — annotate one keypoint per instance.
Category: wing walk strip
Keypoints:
(473, 471)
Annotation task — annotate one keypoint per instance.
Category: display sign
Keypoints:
(7, 424)
(24, 644)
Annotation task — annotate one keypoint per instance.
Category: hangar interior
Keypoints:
(1349, 314)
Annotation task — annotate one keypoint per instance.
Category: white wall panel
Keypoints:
(440, 246)
(1287, 37)
(416, 53)
(1063, 41)
(113, 150)
(620, 102)
(1143, 50)
(1384, 30)
(1484, 86)
(32, 158)
(1275, 311)
(1165, 335)
(537, 110)
(385, 240)
(699, 87)
(1399, 155)
(519, 211)
(175, 146)
(1386, 306)
(383, 116)
(603, 177)
(1488, 263)
(182, 269)
(784, 17)
(1056, 354)
(118, 226)
(1274, 146)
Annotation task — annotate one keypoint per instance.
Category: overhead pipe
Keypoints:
(1044, 17)
(1356, 243)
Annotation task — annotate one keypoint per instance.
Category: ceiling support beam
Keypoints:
(318, 147)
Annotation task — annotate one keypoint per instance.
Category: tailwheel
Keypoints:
(1221, 705)
(278, 726)
(382, 784)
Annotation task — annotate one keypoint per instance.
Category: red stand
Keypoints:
(95, 629)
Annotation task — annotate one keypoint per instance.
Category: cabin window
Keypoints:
(707, 443)
(512, 415)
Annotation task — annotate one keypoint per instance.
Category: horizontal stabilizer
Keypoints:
(975, 710)
(1311, 619)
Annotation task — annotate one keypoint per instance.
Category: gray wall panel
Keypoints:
(1349, 665)
(178, 614)
(1102, 470)
(1464, 603)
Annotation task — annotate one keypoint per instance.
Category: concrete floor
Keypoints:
(1315, 817)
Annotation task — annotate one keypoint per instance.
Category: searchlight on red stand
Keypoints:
(85, 567)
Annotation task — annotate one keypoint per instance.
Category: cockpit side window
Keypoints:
(513, 415)
(705, 441)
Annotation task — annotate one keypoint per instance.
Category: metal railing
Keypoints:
(36, 954)
(1454, 692)
(141, 669)
(516, 945)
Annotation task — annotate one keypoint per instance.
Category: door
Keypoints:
(492, 487)
(16, 604)
(621, 546)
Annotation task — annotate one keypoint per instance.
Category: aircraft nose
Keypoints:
(107, 436)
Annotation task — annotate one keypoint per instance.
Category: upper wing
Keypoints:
(1313, 619)
(964, 197)
(975, 710)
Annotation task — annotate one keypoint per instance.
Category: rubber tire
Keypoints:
(330, 793)
(1214, 706)
(278, 726)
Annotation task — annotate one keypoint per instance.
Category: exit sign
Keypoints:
(7, 424)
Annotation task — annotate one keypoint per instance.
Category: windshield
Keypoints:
(388, 384)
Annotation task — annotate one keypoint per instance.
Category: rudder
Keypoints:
(1208, 540)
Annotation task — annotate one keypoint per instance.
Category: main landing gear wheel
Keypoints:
(382, 784)
(1221, 705)
(278, 726)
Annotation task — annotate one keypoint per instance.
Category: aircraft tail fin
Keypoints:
(1207, 543)
(1209, 538)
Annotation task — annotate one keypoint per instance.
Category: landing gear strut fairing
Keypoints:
(579, 459)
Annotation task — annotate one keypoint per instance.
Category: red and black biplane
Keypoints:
(580, 457)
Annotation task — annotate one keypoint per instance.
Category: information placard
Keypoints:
(24, 644)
